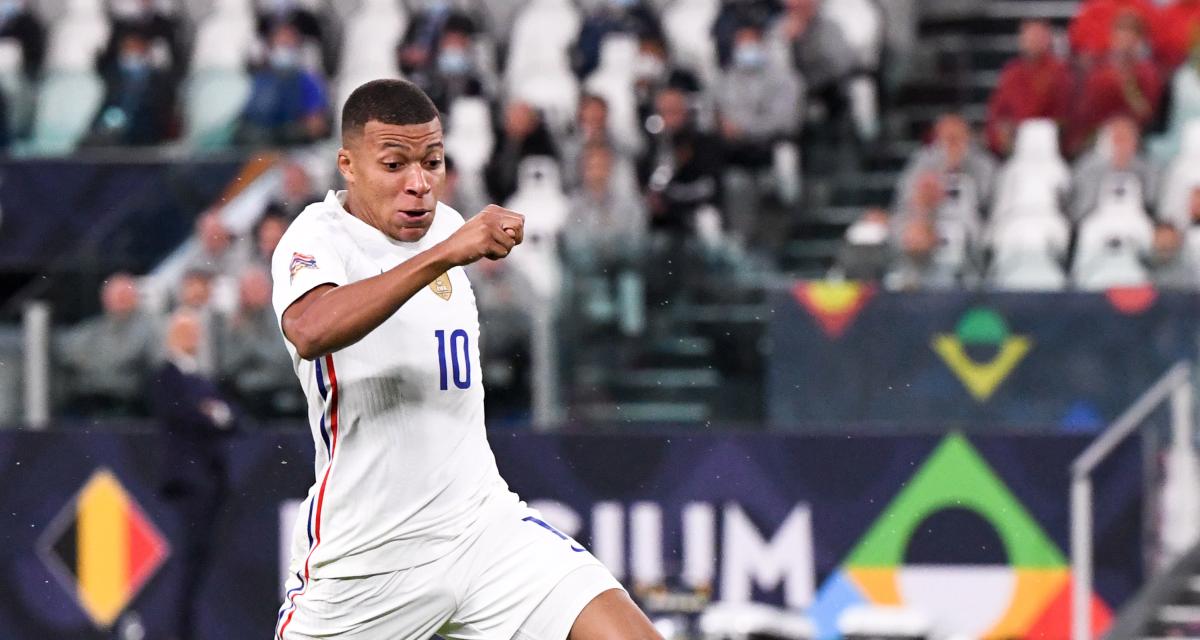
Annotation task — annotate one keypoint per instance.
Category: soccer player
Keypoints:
(408, 529)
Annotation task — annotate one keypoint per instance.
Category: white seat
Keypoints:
(555, 94)
(226, 38)
(1112, 243)
(469, 136)
(613, 80)
(212, 101)
(540, 197)
(67, 102)
(1182, 176)
(541, 36)
(862, 23)
(1036, 176)
(1028, 253)
(687, 25)
(78, 36)
(748, 619)
(371, 33)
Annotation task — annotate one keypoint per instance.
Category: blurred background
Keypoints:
(835, 318)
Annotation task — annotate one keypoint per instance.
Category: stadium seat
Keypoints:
(78, 36)
(469, 141)
(1036, 177)
(18, 94)
(862, 23)
(370, 38)
(66, 104)
(688, 24)
(541, 36)
(737, 620)
(554, 92)
(613, 80)
(226, 38)
(212, 101)
(1028, 253)
(883, 623)
(1112, 243)
(1182, 176)
(540, 197)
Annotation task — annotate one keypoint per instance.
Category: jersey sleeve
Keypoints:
(302, 261)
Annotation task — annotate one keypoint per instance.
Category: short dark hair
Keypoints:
(397, 102)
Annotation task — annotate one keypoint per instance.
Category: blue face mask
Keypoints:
(134, 65)
(623, 4)
(453, 62)
(750, 56)
(285, 57)
(9, 8)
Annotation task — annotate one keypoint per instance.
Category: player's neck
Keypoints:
(354, 208)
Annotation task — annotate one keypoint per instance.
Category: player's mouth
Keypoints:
(413, 216)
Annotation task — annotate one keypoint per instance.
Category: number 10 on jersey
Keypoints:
(459, 355)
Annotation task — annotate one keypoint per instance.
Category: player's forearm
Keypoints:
(344, 315)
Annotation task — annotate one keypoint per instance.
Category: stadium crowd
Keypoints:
(647, 140)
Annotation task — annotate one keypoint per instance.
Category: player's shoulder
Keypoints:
(449, 214)
(313, 227)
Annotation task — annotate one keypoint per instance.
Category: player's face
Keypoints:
(395, 175)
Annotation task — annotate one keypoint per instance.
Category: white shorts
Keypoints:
(512, 576)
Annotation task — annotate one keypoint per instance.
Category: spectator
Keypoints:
(160, 30)
(255, 366)
(735, 13)
(296, 190)
(218, 251)
(273, 13)
(681, 169)
(1176, 32)
(605, 239)
(197, 421)
(523, 134)
(867, 252)
(195, 295)
(450, 186)
(1124, 83)
(758, 101)
(1171, 266)
(933, 255)
(418, 50)
(610, 16)
(139, 104)
(965, 172)
(288, 103)
(818, 49)
(457, 70)
(267, 233)
(1035, 85)
(1114, 169)
(591, 128)
(105, 357)
(1092, 28)
(19, 23)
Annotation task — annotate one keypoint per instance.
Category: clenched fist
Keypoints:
(491, 234)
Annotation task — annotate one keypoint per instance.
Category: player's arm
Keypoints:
(328, 317)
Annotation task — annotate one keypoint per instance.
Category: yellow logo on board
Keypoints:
(987, 328)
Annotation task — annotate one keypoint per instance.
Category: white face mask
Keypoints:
(285, 57)
(867, 232)
(648, 67)
(750, 56)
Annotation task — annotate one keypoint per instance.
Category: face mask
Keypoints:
(129, 9)
(9, 8)
(749, 56)
(285, 57)
(867, 232)
(133, 64)
(623, 4)
(648, 67)
(453, 62)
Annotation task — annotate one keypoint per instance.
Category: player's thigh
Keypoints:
(401, 605)
(612, 615)
(516, 563)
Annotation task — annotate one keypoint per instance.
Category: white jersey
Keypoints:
(402, 460)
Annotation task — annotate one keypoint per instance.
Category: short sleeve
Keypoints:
(302, 261)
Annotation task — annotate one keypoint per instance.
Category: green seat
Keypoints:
(213, 99)
(66, 104)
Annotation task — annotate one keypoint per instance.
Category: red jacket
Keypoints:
(1028, 89)
(1111, 90)
(1175, 33)
(1091, 29)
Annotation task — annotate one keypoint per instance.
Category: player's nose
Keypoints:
(417, 183)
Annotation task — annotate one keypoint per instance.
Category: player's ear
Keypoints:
(345, 165)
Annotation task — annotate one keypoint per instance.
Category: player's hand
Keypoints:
(491, 234)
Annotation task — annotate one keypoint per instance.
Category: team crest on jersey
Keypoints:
(442, 287)
(301, 261)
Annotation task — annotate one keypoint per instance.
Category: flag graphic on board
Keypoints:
(103, 548)
(985, 329)
(834, 305)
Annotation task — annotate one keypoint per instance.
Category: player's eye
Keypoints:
(392, 166)
(432, 165)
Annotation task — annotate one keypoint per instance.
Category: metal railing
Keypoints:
(1175, 386)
